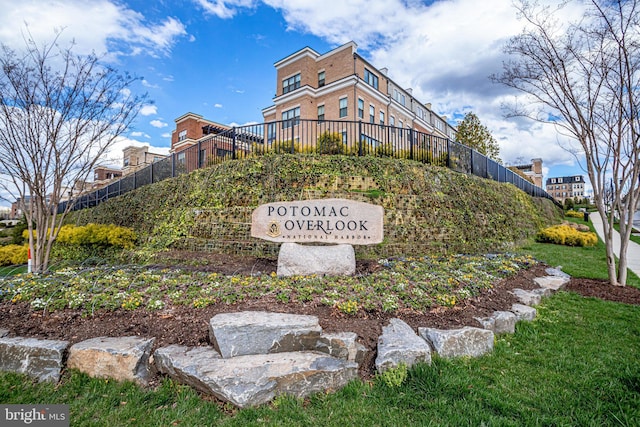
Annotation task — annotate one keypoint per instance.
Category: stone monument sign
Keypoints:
(338, 223)
(335, 221)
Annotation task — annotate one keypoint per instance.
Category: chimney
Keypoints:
(384, 71)
(409, 91)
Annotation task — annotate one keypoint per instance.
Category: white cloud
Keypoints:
(217, 105)
(158, 124)
(149, 110)
(140, 135)
(146, 83)
(166, 135)
(224, 8)
(104, 26)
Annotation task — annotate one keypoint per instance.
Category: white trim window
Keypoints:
(291, 84)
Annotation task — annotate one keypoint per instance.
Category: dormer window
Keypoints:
(370, 78)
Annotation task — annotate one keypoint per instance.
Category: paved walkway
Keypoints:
(633, 250)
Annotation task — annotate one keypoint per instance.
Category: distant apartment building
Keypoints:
(564, 187)
(193, 130)
(532, 170)
(135, 158)
(342, 85)
(103, 175)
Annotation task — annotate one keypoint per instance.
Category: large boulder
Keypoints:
(303, 260)
(467, 341)
(120, 358)
(255, 379)
(4, 333)
(259, 332)
(40, 359)
(399, 344)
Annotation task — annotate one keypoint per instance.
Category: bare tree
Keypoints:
(59, 113)
(584, 77)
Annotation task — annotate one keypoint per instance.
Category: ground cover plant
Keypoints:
(417, 284)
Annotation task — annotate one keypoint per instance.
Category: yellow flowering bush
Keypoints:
(574, 214)
(13, 254)
(567, 235)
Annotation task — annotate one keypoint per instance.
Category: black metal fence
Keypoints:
(312, 137)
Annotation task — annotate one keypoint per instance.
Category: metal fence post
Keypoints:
(233, 146)
(360, 138)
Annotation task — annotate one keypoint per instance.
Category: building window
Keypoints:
(360, 109)
(271, 132)
(381, 117)
(398, 96)
(370, 78)
(372, 114)
(343, 107)
(126, 162)
(320, 112)
(321, 79)
(291, 84)
(181, 157)
(182, 135)
(291, 117)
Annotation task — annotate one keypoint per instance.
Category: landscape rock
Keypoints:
(120, 358)
(4, 333)
(303, 260)
(40, 359)
(553, 283)
(399, 344)
(184, 364)
(488, 323)
(467, 341)
(505, 322)
(259, 332)
(557, 272)
(527, 297)
(523, 312)
(255, 379)
(342, 345)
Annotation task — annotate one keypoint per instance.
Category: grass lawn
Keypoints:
(12, 270)
(578, 363)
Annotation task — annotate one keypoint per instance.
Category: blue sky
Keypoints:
(215, 57)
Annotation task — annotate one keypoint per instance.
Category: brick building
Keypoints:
(532, 170)
(564, 187)
(342, 85)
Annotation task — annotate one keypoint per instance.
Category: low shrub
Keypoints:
(97, 235)
(13, 254)
(566, 235)
(574, 214)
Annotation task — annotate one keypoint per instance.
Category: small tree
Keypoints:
(584, 78)
(59, 113)
(472, 133)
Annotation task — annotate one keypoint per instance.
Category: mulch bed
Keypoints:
(189, 326)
